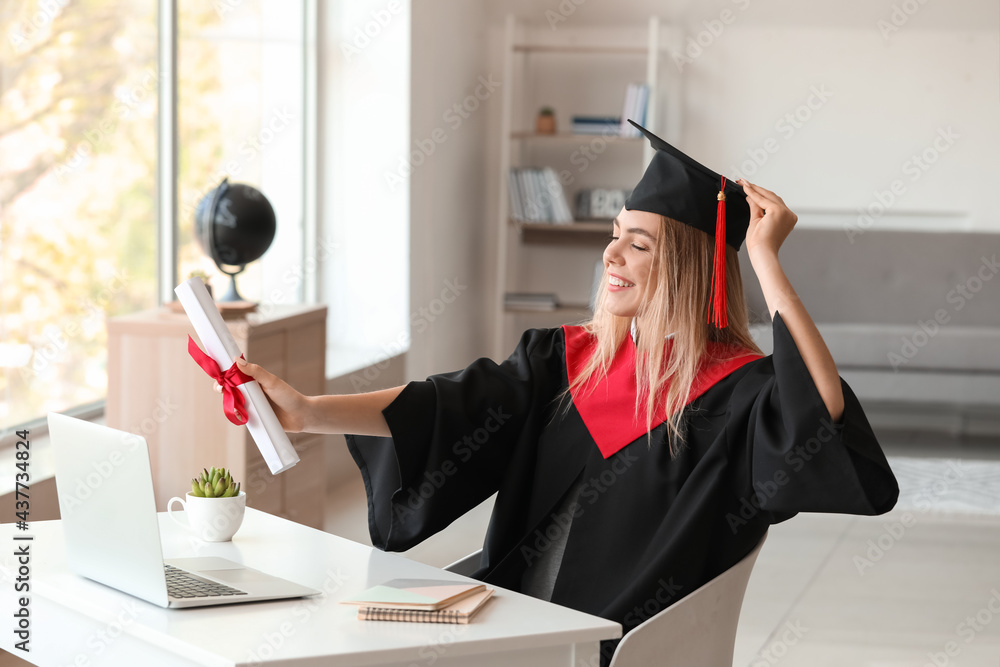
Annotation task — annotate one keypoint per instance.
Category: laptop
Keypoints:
(112, 535)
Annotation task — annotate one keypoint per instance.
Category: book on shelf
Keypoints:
(560, 206)
(520, 176)
(536, 202)
(531, 301)
(460, 612)
(630, 94)
(636, 104)
(536, 195)
(635, 107)
(515, 196)
(606, 125)
(425, 594)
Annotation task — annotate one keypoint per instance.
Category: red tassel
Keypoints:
(718, 315)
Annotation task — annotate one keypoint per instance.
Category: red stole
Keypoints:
(608, 410)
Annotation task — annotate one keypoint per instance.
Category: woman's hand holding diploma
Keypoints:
(290, 407)
(360, 414)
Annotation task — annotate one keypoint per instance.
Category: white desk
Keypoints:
(78, 622)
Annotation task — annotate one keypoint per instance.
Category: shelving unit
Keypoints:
(567, 136)
(580, 232)
(575, 71)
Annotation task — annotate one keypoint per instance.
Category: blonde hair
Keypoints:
(679, 304)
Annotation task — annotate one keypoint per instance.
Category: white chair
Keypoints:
(467, 565)
(700, 629)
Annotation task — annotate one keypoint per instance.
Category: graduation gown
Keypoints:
(644, 529)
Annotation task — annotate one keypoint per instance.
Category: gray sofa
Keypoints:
(912, 320)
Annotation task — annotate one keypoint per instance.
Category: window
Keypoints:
(240, 116)
(79, 88)
(78, 91)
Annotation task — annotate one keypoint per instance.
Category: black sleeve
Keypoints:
(454, 437)
(800, 459)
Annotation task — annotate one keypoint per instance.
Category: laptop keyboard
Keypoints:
(181, 584)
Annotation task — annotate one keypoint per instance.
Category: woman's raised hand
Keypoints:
(770, 220)
(291, 407)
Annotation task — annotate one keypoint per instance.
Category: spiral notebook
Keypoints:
(423, 594)
(459, 612)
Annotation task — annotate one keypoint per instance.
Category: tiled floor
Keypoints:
(917, 587)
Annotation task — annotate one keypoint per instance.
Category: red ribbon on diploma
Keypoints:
(232, 398)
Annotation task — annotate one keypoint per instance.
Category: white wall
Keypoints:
(449, 230)
(877, 104)
(364, 112)
(895, 79)
(890, 96)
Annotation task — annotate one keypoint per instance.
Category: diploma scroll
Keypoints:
(271, 439)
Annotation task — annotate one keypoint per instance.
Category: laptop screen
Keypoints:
(105, 489)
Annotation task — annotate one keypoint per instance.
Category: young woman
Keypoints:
(637, 456)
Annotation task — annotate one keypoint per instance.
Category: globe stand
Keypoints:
(234, 224)
(231, 294)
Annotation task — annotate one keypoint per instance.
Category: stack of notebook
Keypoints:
(421, 601)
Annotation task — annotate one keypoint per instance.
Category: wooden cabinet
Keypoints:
(155, 389)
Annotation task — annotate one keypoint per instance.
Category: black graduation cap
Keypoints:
(678, 187)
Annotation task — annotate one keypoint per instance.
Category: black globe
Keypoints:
(234, 224)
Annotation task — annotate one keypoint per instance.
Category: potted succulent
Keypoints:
(215, 483)
(214, 506)
(546, 121)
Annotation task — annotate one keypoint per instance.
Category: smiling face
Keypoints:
(628, 260)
